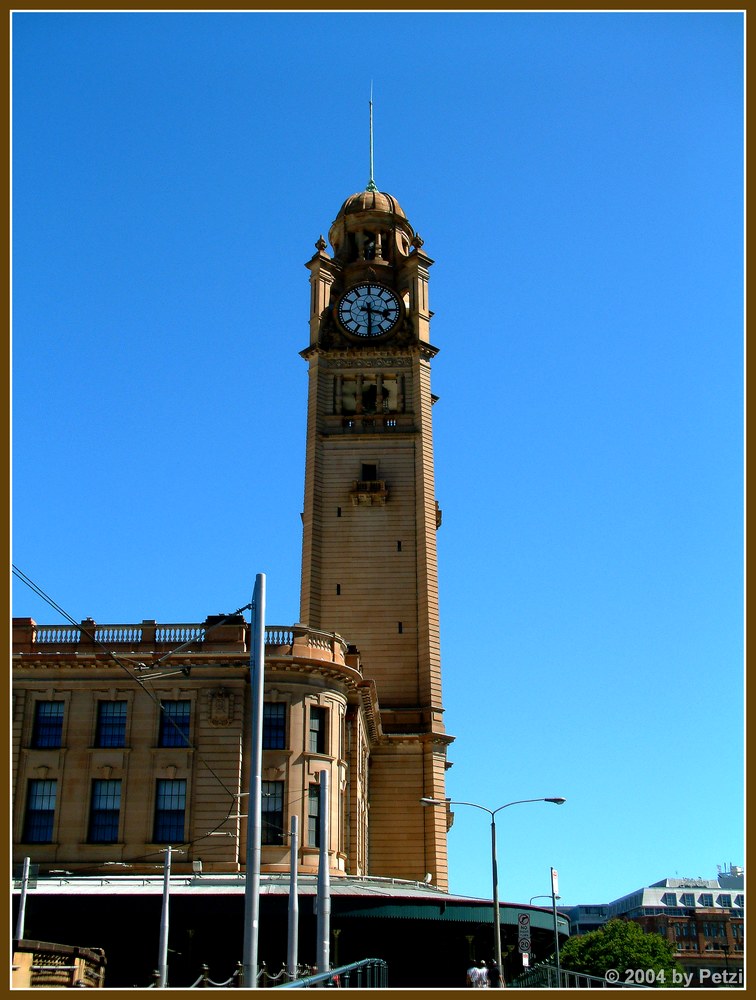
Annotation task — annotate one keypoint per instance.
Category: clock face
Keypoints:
(369, 310)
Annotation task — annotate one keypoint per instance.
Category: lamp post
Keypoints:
(426, 801)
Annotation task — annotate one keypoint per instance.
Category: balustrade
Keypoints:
(279, 635)
(179, 633)
(58, 635)
(111, 635)
(28, 635)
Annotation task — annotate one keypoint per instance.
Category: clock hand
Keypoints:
(369, 311)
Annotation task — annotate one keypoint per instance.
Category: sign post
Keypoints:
(554, 895)
(523, 936)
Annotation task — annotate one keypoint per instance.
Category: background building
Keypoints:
(703, 918)
(586, 917)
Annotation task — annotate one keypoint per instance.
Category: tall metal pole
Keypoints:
(21, 918)
(554, 891)
(254, 819)
(163, 950)
(324, 884)
(292, 956)
(495, 874)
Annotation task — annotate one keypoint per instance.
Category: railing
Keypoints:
(368, 974)
(279, 635)
(369, 486)
(152, 633)
(547, 977)
(179, 633)
(58, 635)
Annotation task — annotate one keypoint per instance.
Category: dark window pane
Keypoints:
(48, 724)
(318, 729)
(40, 811)
(274, 725)
(272, 812)
(313, 816)
(111, 724)
(170, 807)
(174, 723)
(105, 811)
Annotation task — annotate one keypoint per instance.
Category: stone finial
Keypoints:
(321, 244)
(417, 241)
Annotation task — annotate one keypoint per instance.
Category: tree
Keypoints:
(638, 957)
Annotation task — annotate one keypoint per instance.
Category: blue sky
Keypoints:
(577, 178)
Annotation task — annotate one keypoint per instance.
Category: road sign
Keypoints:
(555, 881)
(523, 932)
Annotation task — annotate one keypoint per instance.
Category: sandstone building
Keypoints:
(131, 737)
(122, 746)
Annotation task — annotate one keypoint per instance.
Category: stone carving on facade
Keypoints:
(221, 708)
(372, 362)
(274, 773)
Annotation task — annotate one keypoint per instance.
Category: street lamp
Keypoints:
(427, 801)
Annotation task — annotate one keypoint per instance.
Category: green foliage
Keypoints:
(621, 945)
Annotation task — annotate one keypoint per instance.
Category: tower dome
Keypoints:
(371, 200)
(368, 216)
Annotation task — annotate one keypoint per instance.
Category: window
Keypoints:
(669, 899)
(725, 899)
(318, 729)
(369, 472)
(706, 899)
(48, 724)
(272, 812)
(170, 806)
(274, 725)
(40, 811)
(714, 930)
(111, 724)
(105, 811)
(313, 816)
(687, 899)
(174, 723)
(739, 900)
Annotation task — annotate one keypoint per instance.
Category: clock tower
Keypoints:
(369, 566)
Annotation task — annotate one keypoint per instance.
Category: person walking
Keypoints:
(494, 975)
(477, 975)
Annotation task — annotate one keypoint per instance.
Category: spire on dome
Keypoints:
(371, 183)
